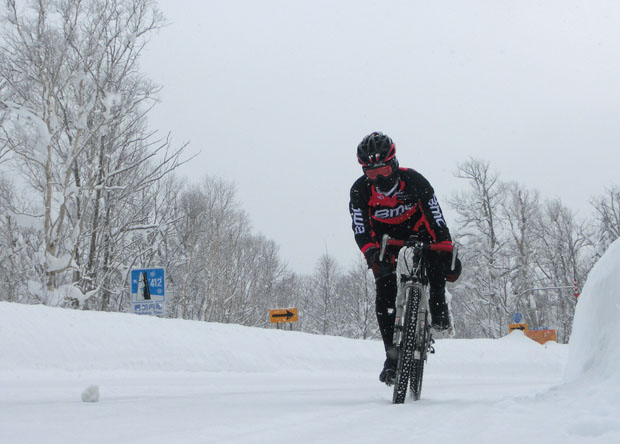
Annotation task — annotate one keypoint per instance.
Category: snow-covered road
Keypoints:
(313, 406)
(475, 391)
(173, 381)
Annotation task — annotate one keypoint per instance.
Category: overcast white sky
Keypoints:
(276, 95)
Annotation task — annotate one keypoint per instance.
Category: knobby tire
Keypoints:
(417, 370)
(407, 346)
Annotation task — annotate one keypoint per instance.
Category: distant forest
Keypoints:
(88, 193)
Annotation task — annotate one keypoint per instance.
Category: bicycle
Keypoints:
(412, 332)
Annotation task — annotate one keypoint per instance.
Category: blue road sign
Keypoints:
(148, 290)
(517, 318)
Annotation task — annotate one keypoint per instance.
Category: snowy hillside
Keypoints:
(173, 381)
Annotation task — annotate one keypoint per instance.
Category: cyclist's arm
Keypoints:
(358, 208)
(434, 219)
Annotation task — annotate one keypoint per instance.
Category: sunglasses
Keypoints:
(383, 170)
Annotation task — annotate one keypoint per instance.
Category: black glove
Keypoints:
(379, 267)
(452, 275)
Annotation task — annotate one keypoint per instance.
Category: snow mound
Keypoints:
(512, 356)
(594, 346)
(37, 337)
(41, 338)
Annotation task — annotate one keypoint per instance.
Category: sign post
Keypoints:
(148, 290)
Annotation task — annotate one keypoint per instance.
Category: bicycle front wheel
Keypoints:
(407, 346)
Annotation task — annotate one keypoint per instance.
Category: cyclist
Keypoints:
(399, 202)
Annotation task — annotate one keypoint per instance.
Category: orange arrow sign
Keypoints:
(283, 315)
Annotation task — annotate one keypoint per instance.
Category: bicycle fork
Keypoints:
(400, 310)
(424, 338)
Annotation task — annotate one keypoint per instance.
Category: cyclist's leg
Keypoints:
(440, 315)
(386, 296)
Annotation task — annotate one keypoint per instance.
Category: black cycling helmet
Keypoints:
(377, 155)
(375, 148)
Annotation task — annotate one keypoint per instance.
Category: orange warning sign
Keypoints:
(283, 315)
(542, 336)
(521, 326)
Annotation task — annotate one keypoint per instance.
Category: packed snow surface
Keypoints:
(595, 343)
(150, 380)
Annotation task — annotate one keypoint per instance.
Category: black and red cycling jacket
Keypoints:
(410, 207)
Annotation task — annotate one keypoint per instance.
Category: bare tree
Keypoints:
(326, 289)
(74, 105)
(265, 280)
(225, 273)
(607, 218)
(205, 212)
(518, 255)
(521, 211)
(561, 261)
(19, 244)
(299, 292)
(485, 282)
(358, 301)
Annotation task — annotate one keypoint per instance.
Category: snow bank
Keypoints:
(40, 337)
(44, 338)
(514, 356)
(594, 346)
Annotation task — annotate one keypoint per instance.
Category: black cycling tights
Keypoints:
(386, 297)
(385, 303)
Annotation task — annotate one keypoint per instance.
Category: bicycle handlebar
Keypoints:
(446, 246)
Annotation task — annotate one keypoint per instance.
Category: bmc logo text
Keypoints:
(436, 210)
(388, 213)
(358, 221)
